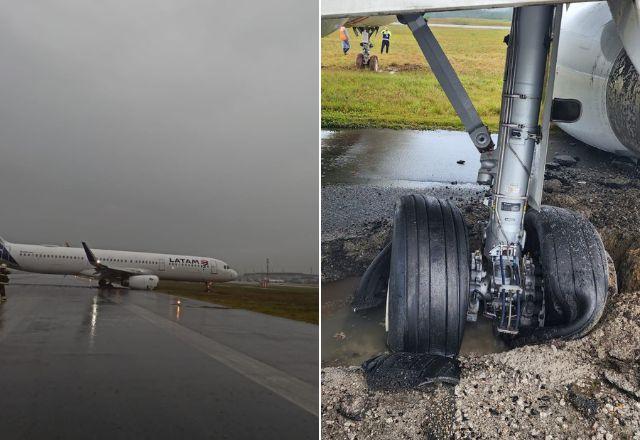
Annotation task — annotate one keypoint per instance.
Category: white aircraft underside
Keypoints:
(138, 270)
(359, 8)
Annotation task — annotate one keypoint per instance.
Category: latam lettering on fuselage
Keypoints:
(177, 260)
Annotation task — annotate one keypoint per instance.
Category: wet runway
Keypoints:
(76, 362)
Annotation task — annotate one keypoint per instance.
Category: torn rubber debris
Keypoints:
(372, 290)
(402, 370)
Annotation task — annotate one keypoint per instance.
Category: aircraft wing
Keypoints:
(108, 271)
(355, 8)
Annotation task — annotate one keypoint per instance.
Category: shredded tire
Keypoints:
(574, 269)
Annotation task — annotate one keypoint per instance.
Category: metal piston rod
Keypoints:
(502, 276)
(529, 43)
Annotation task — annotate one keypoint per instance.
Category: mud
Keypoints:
(562, 390)
(357, 219)
(588, 388)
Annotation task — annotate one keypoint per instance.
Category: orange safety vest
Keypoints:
(343, 34)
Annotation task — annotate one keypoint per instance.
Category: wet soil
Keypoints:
(356, 219)
(588, 388)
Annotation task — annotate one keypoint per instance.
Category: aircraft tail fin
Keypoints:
(90, 256)
(5, 255)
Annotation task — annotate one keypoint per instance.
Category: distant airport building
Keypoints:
(280, 278)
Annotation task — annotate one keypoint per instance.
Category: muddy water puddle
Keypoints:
(382, 155)
(407, 157)
(350, 338)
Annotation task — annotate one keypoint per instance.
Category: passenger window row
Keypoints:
(73, 257)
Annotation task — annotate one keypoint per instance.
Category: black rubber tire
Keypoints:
(373, 63)
(103, 283)
(574, 268)
(360, 61)
(372, 289)
(429, 277)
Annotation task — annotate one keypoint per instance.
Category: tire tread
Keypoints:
(429, 277)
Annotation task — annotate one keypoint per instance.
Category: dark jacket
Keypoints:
(4, 275)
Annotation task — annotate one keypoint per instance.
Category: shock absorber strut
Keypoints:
(519, 123)
(503, 289)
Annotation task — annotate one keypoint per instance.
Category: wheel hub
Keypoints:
(507, 289)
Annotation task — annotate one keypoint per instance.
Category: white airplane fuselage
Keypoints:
(73, 261)
(593, 68)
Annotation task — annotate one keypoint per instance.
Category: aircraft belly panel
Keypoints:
(354, 8)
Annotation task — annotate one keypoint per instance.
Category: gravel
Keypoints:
(559, 390)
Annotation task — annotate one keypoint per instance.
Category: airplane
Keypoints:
(136, 270)
(540, 272)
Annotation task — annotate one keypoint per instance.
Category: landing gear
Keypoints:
(572, 280)
(373, 63)
(208, 286)
(429, 277)
(365, 59)
(104, 283)
(541, 272)
(541, 275)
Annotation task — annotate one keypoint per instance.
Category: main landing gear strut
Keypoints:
(541, 272)
(104, 283)
(364, 59)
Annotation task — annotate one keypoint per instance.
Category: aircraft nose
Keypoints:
(234, 274)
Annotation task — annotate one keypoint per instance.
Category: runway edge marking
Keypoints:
(290, 388)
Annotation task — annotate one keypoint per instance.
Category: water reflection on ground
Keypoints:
(383, 155)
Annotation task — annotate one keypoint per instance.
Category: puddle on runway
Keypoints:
(350, 338)
(368, 155)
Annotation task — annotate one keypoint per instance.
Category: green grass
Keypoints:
(293, 302)
(405, 94)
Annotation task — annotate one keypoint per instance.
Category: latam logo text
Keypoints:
(203, 263)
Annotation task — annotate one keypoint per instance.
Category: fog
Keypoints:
(172, 126)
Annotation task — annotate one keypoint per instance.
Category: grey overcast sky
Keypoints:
(179, 126)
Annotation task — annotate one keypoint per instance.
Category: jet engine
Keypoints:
(141, 282)
(596, 83)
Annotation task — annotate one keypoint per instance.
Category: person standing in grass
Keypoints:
(344, 37)
(386, 37)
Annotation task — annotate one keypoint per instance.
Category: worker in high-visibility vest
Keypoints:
(386, 37)
(344, 37)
